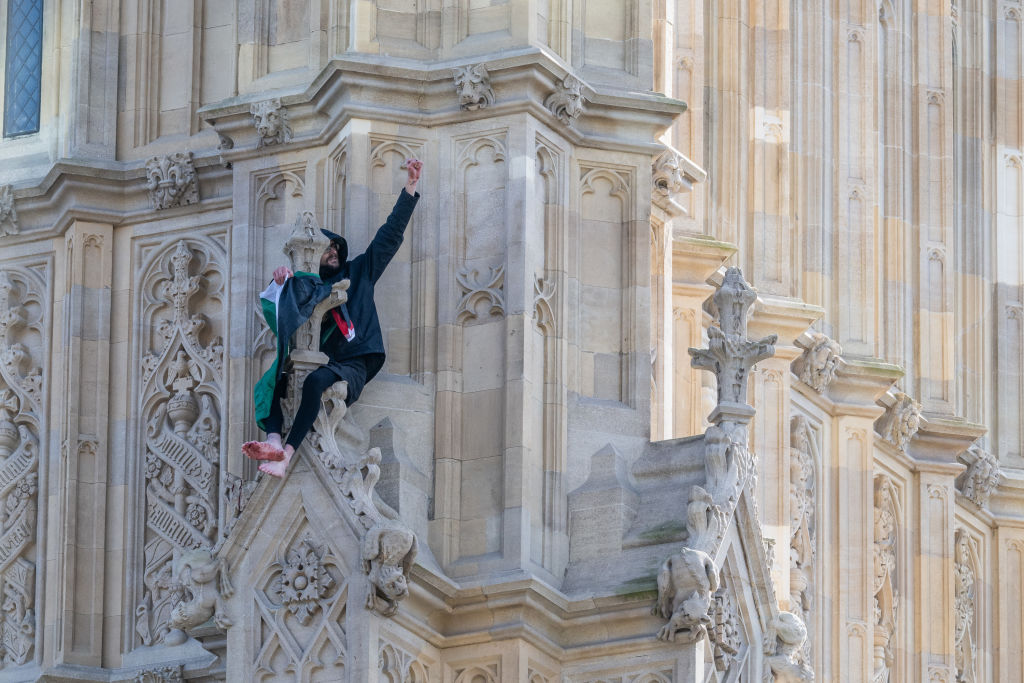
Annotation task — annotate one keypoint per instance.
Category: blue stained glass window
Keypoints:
(23, 76)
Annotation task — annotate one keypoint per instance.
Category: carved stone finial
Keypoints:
(171, 181)
(901, 421)
(818, 364)
(981, 478)
(566, 102)
(686, 582)
(730, 354)
(782, 661)
(306, 244)
(473, 84)
(271, 121)
(8, 216)
(669, 181)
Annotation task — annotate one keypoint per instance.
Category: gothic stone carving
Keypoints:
(818, 364)
(783, 657)
(477, 288)
(725, 632)
(730, 355)
(802, 524)
(965, 627)
(21, 319)
(303, 581)
(271, 121)
(886, 594)
(685, 584)
(398, 666)
(180, 392)
(171, 180)
(388, 546)
(566, 102)
(204, 582)
(8, 216)
(388, 553)
(669, 181)
(901, 421)
(164, 674)
(473, 84)
(981, 478)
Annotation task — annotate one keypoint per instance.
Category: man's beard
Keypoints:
(328, 271)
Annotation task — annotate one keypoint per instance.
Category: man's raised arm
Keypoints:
(388, 239)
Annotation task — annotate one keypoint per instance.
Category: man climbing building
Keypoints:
(351, 334)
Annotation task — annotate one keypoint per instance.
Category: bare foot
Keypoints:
(263, 450)
(276, 469)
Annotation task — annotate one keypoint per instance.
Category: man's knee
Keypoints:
(318, 381)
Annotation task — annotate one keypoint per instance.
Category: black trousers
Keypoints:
(316, 383)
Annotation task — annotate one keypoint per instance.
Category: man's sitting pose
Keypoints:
(350, 333)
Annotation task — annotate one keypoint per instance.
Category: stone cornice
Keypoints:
(861, 382)
(695, 258)
(422, 93)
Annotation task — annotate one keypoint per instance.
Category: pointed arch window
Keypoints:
(23, 67)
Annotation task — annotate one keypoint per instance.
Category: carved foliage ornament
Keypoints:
(164, 674)
(479, 288)
(725, 632)
(271, 121)
(886, 593)
(981, 478)
(803, 523)
(966, 626)
(171, 180)
(8, 215)
(819, 362)
(473, 84)
(566, 102)
(180, 395)
(21, 322)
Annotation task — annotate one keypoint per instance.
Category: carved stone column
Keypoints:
(770, 431)
(849, 457)
(82, 477)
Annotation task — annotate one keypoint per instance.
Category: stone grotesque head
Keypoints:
(271, 121)
(473, 85)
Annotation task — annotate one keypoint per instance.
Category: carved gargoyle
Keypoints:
(389, 550)
(205, 578)
(685, 584)
(783, 652)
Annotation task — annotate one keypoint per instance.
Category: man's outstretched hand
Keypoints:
(413, 167)
(282, 273)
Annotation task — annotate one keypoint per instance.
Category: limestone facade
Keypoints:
(541, 485)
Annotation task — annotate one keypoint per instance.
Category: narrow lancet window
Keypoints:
(23, 72)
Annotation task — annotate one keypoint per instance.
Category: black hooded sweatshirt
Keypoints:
(363, 272)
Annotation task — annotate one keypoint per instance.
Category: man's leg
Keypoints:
(271, 449)
(313, 387)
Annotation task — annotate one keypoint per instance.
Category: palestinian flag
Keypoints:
(285, 308)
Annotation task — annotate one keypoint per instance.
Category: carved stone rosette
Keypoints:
(818, 364)
(271, 121)
(171, 181)
(182, 376)
(566, 102)
(981, 478)
(22, 325)
(8, 215)
(473, 85)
